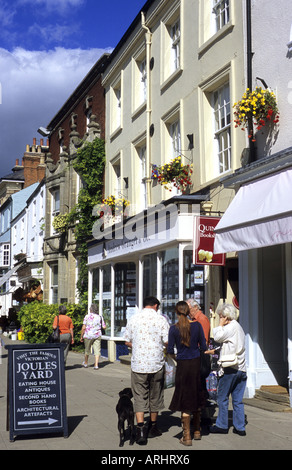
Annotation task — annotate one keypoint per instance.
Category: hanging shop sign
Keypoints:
(204, 237)
(36, 389)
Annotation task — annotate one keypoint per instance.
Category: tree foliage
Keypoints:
(89, 164)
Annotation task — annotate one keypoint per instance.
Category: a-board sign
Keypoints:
(36, 389)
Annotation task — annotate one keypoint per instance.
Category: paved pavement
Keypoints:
(92, 396)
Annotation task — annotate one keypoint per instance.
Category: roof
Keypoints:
(14, 176)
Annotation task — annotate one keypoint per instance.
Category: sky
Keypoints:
(46, 48)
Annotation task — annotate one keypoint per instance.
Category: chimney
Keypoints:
(33, 165)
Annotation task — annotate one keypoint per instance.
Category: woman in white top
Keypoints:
(232, 373)
(91, 334)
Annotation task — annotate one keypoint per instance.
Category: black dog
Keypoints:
(125, 412)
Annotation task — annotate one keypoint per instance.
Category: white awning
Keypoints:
(259, 215)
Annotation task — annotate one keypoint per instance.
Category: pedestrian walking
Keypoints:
(188, 338)
(232, 371)
(91, 334)
(147, 334)
(65, 324)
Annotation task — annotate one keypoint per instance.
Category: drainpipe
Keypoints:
(148, 37)
(252, 146)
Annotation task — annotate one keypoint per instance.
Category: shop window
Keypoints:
(193, 283)
(169, 283)
(106, 296)
(150, 275)
(125, 295)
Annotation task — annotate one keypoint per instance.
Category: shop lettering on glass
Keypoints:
(158, 222)
(204, 237)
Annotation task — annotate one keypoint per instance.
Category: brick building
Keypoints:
(81, 119)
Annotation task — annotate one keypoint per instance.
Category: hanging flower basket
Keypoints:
(112, 205)
(61, 223)
(173, 173)
(258, 107)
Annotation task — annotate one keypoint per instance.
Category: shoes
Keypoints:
(84, 365)
(154, 431)
(240, 433)
(215, 430)
(95, 368)
(141, 435)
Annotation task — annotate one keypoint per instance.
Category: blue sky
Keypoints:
(46, 49)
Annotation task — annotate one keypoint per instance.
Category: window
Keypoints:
(6, 255)
(175, 41)
(143, 80)
(116, 107)
(171, 47)
(55, 204)
(143, 174)
(34, 213)
(221, 108)
(54, 284)
(117, 178)
(221, 12)
(174, 131)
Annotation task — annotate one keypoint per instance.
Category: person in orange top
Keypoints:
(197, 315)
(66, 329)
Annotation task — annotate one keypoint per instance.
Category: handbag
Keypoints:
(205, 364)
(55, 335)
(228, 360)
(169, 372)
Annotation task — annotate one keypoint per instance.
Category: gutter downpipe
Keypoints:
(252, 146)
(148, 37)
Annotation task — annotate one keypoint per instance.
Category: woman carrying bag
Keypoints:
(188, 338)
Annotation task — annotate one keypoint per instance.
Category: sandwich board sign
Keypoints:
(36, 389)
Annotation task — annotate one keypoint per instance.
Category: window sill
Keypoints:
(116, 132)
(215, 38)
(136, 113)
(169, 81)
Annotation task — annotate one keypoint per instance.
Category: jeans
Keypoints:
(232, 382)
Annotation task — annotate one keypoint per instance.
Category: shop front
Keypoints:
(257, 225)
(123, 271)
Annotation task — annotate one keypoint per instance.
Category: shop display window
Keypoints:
(169, 283)
(125, 295)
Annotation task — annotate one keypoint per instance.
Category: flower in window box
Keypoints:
(258, 107)
(174, 173)
(112, 205)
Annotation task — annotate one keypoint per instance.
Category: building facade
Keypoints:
(257, 223)
(80, 120)
(169, 88)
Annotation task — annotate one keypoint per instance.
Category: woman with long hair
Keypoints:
(188, 338)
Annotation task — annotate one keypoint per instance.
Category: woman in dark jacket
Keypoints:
(188, 338)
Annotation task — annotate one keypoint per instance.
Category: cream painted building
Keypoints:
(169, 87)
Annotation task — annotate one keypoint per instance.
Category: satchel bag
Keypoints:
(205, 364)
(228, 360)
(55, 336)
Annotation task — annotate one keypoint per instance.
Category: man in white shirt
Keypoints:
(147, 334)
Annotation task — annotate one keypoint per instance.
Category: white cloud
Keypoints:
(35, 85)
(58, 6)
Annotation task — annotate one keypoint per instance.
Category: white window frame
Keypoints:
(222, 127)
(54, 287)
(55, 204)
(143, 173)
(6, 254)
(175, 45)
(221, 12)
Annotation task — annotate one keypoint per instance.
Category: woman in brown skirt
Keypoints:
(188, 338)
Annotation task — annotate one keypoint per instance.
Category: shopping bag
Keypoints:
(169, 372)
(212, 385)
